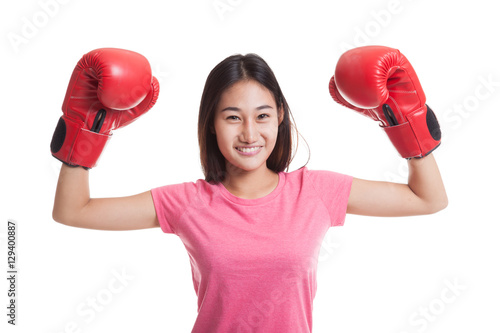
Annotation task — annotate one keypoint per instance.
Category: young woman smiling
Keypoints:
(252, 229)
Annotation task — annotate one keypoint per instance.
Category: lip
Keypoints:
(250, 153)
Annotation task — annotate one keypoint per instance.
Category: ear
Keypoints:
(281, 114)
(212, 129)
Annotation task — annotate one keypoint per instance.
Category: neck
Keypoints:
(250, 184)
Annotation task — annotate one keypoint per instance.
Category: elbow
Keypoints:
(440, 207)
(437, 206)
(56, 216)
(69, 216)
(59, 216)
(443, 202)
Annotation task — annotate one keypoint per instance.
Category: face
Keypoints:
(246, 125)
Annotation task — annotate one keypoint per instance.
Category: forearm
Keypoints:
(72, 194)
(425, 181)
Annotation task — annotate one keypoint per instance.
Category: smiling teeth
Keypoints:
(247, 150)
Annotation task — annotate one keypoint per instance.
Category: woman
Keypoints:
(252, 230)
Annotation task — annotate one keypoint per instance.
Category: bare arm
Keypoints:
(74, 207)
(424, 193)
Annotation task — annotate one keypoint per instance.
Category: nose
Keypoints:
(249, 133)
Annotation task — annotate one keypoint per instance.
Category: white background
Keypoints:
(374, 274)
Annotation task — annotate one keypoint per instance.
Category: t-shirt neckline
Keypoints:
(252, 202)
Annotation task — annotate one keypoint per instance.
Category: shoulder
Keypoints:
(319, 182)
(187, 191)
(305, 174)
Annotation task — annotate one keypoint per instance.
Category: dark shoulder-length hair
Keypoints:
(229, 71)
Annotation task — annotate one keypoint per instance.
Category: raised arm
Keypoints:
(109, 89)
(380, 83)
(74, 207)
(424, 193)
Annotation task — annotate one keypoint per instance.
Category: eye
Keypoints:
(232, 118)
(263, 116)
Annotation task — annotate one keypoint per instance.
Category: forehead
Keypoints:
(246, 92)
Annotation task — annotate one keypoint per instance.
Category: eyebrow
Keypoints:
(232, 108)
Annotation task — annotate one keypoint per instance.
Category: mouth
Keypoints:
(248, 150)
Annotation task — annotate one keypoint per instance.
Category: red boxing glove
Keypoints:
(109, 88)
(380, 83)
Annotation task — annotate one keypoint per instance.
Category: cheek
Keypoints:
(271, 132)
(222, 136)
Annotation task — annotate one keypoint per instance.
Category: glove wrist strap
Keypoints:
(417, 137)
(75, 145)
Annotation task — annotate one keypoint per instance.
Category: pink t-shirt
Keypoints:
(254, 261)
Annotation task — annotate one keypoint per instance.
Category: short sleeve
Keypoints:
(333, 189)
(171, 201)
